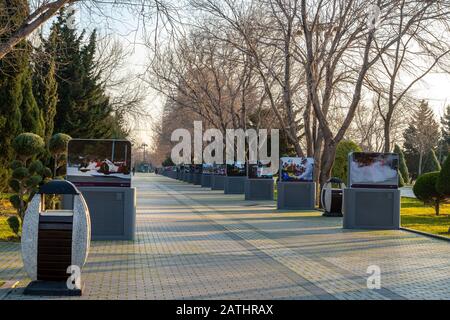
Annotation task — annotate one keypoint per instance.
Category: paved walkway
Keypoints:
(193, 243)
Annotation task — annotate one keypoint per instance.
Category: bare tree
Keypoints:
(43, 10)
(351, 43)
(423, 48)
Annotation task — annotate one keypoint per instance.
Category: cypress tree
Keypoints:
(32, 118)
(431, 162)
(340, 166)
(444, 145)
(83, 108)
(445, 121)
(12, 67)
(46, 92)
(443, 181)
(421, 135)
(403, 168)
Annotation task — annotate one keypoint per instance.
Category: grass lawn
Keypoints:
(415, 215)
(6, 210)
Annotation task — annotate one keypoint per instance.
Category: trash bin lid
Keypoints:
(335, 180)
(58, 187)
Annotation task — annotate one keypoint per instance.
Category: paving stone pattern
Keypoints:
(194, 243)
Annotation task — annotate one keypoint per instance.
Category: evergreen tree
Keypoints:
(32, 118)
(443, 181)
(444, 145)
(45, 90)
(403, 168)
(431, 163)
(421, 135)
(12, 67)
(340, 166)
(83, 108)
(445, 121)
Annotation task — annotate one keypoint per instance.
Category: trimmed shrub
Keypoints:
(425, 190)
(443, 181)
(26, 176)
(58, 148)
(14, 224)
(403, 168)
(27, 145)
(431, 163)
(340, 165)
(401, 182)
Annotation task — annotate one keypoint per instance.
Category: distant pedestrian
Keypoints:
(134, 170)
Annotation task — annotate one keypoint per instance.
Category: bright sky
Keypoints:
(435, 87)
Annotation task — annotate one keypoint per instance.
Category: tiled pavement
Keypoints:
(193, 243)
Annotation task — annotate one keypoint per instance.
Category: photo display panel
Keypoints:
(236, 169)
(373, 170)
(296, 169)
(220, 169)
(260, 171)
(208, 168)
(99, 162)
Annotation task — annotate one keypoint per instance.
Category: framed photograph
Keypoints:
(197, 168)
(373, 170)
(99, 162)
(260, 171)
(208, 168)
(236, 169)
(296, 169)
(220, 169)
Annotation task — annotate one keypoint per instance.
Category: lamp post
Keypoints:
(144, 145)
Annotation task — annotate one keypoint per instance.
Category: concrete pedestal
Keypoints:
(172, 174)
(366, 208)
(112, 211)
(206, 180)
(197, 179)
(217, 182)
(234, 185)
(259, 189)
(296, 195)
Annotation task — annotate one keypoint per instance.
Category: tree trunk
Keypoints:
(436, 207)
(387, 133)
(328, 155)
(419, 170)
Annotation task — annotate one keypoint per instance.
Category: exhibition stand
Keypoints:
(234, 185)
(367, 208)
(206, 180)
(197, 179)
(113, 212)
(372, 200)
(296, 189)
(259, 189)
(217, 182)
(171, 174)
(197, 174)
(296, 195)
(105, 185)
